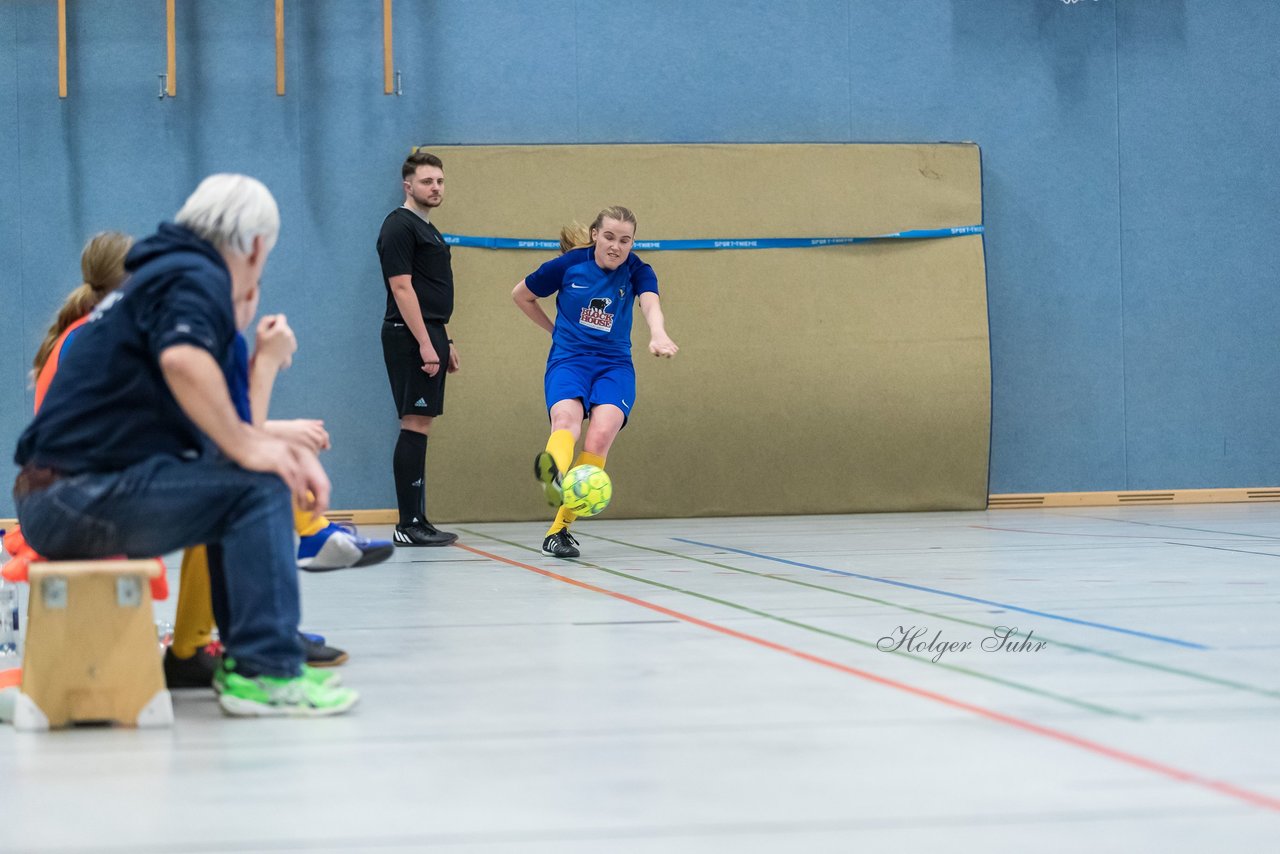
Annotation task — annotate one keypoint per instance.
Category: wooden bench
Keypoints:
(91, 653)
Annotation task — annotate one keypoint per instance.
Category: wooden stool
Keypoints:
(91, 651)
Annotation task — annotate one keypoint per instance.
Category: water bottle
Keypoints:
(164, 635)
(9, 628)
(10, 633)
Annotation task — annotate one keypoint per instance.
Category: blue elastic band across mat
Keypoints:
(731, 243)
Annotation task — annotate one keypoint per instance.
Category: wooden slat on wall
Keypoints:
(171, 49)
(388, 62)
(62, 48)
(279, 47)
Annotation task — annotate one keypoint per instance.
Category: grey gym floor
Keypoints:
(715, 685)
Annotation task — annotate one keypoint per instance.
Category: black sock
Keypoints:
(422, 490)
(410, 466)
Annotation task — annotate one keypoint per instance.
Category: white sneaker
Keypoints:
(336, 547)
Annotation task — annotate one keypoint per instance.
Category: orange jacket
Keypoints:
(51, 365)
(21, 555)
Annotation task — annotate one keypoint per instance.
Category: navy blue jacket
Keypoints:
(109, 406)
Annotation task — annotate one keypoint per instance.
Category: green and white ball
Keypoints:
(587, 490)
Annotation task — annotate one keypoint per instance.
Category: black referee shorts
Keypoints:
(415, 393)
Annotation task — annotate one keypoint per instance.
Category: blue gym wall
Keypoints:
(1131, 186)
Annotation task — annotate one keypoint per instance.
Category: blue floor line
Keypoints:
(1005, 605)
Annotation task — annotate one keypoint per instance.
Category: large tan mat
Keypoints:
(816, 380)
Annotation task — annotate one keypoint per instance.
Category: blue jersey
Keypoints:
(236, 371)
(593, 305)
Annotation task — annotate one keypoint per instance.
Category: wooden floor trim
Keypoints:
(1014, 501)
(1007, 501)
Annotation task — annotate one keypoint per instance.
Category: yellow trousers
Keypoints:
(193, 625)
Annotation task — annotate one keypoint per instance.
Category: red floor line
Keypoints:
(1255, 798)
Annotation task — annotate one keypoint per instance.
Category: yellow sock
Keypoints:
(193, 625)
(586, 459)
(560, 447)
(305, 525)
(564, 518)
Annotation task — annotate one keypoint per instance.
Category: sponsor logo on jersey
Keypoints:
(596, 315)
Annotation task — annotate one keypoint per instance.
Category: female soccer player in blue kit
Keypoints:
(589, 369)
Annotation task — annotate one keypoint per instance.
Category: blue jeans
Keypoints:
(163, 504)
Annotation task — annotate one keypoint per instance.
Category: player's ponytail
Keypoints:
(575, 236)
(102, 264)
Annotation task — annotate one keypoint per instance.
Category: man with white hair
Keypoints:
(140, 448)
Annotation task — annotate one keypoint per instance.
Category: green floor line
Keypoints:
(1017, 686)
(1164, 668)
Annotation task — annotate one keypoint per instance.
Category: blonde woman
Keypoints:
(102, 265)
(590, 374)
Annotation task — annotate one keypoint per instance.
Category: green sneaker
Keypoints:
(548, 474)
(323, 678)
(320, 678)
(269, 696)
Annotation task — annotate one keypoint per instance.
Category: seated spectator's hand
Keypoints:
(299, 468)
(307, 432)
(275, 341)
(315, 498)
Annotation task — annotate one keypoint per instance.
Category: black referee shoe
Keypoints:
(418, 533)
(560, 545)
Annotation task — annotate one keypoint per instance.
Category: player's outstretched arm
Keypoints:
(660, 344)
(527, 301)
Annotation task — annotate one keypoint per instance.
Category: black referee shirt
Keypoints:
(409, 245)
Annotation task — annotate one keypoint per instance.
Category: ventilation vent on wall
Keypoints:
(1015, 500)
(1263, 494)
(1144, 497)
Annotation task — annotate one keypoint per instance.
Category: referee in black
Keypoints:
(418, 275)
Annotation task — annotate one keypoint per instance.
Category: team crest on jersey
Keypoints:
(596, 315)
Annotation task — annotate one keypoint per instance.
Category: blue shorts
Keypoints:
(591, 380)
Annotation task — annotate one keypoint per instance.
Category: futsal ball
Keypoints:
(587, 490)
